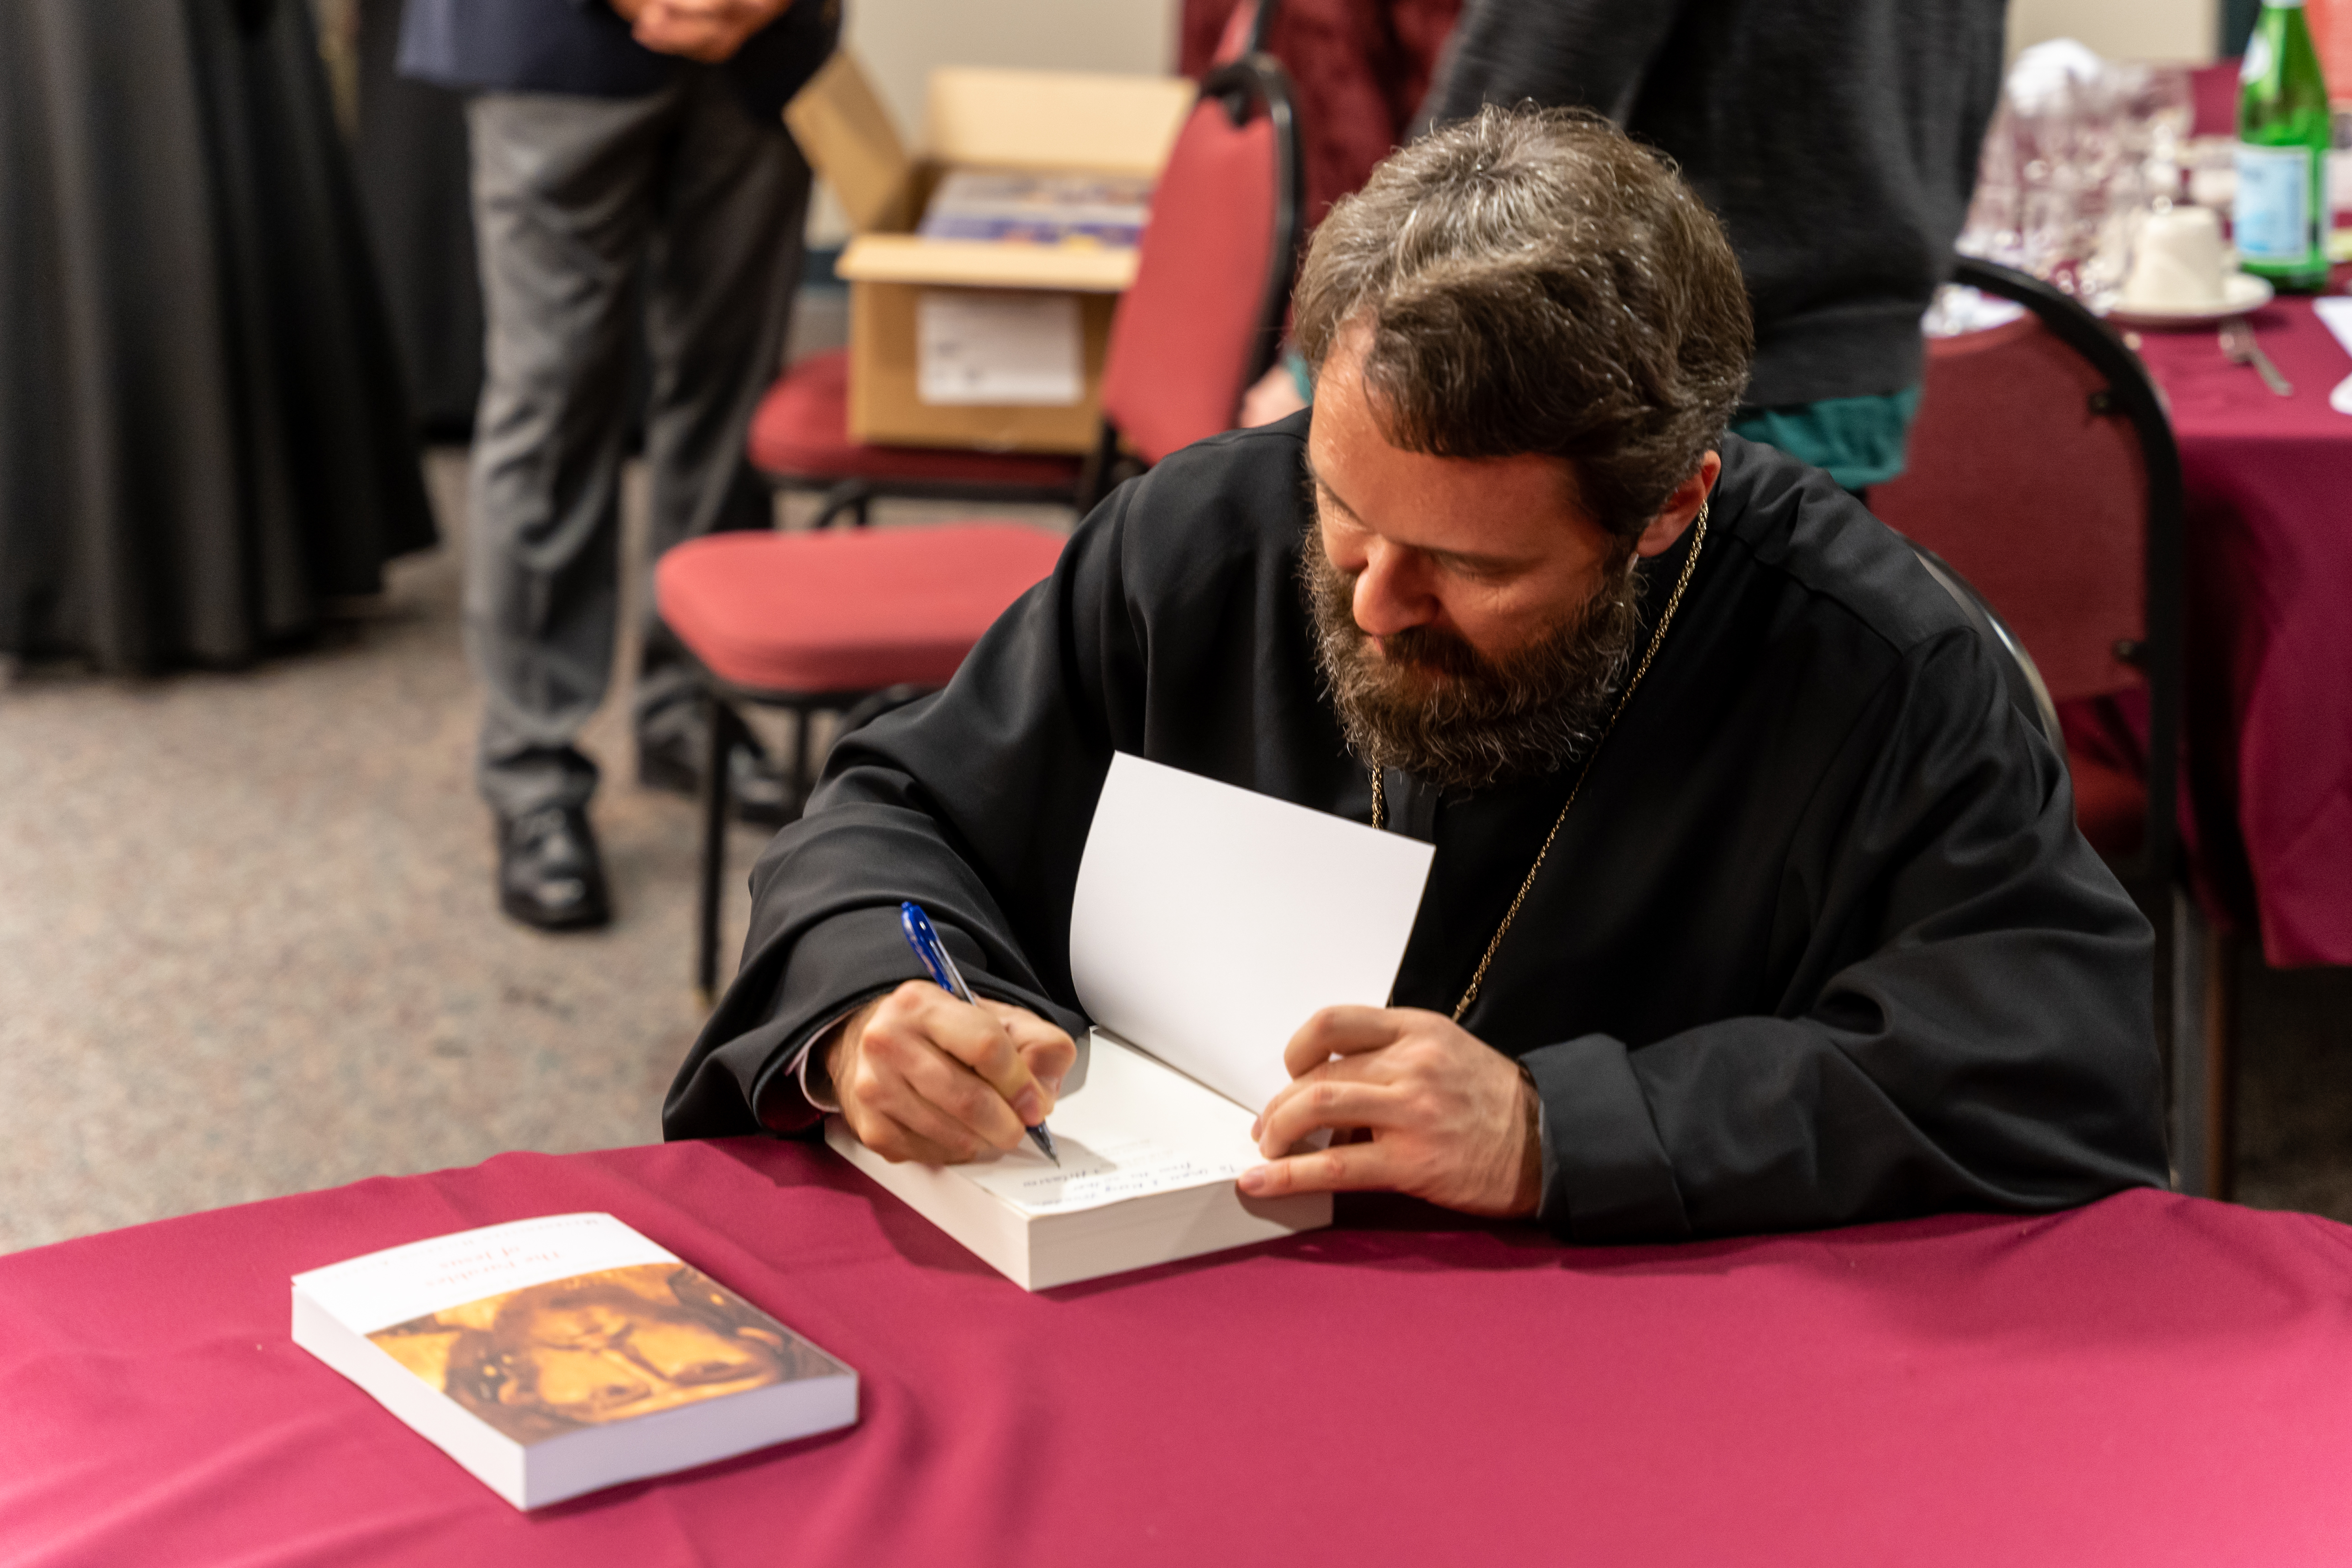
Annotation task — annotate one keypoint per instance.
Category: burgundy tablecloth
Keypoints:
(2270, 635)
(2156, 1380)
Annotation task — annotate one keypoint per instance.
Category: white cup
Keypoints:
(2177, 265)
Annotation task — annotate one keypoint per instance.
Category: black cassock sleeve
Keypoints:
(975, 804)
(1949, 1011)
(1968, 1025)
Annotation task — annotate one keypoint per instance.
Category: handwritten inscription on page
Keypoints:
(1196, 1137)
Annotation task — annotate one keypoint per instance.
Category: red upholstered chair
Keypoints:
(2043, 467)
(1203, 318)
(1245, 30)
(800, 440)
(1226, 205)
(820, 621)
(849, 621)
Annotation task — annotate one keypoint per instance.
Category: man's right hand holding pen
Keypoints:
(921, 1075)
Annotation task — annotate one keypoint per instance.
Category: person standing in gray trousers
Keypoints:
(601, 199)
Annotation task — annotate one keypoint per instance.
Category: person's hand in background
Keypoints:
(710, 31)
(1274, 395)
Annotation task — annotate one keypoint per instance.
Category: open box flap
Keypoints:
(979, 118)
(986, 264)
(845, 131)
(985, 118)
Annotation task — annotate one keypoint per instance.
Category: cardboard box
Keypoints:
(905, 288)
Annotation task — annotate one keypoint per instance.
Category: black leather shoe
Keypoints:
(550, 875)
(757, 789)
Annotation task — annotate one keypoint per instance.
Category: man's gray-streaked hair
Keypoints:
(1534, 281)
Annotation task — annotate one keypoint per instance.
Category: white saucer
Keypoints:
(2241, 292)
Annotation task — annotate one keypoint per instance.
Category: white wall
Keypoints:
(901, 40)
(2169, 30)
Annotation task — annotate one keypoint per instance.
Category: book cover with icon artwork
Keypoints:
(554, 1356)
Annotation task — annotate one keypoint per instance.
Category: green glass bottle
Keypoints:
(2282, 217)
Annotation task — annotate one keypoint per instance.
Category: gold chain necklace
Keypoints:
(1380, 794)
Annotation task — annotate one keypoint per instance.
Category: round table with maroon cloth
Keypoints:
(2153, 1379)
(2269, 604)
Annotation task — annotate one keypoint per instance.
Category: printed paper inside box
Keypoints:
(980, 348)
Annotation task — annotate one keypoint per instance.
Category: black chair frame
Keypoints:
(2189, 1016)
(727, 729)
(1261, 26)
(2027, 690)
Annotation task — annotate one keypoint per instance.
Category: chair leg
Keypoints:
(802, 783)
(851, 496)
(2221, 1021)
(724, 727)
(2204, 1016)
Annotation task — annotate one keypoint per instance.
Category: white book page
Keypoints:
(1209, 922)
(1194, 1138)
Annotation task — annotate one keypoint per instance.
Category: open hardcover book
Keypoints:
(554, 1356)
(1209, 925)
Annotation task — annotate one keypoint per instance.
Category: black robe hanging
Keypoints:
(1819, 943)
(203, 431)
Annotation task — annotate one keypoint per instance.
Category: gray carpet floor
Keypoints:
(247, 944)
(247, 941)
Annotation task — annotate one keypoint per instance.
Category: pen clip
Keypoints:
(925, 940)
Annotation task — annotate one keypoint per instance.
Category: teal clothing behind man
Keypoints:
(1858, 441)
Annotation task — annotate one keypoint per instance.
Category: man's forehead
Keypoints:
(1459, 503)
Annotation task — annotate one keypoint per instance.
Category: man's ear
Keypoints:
(1666, 529)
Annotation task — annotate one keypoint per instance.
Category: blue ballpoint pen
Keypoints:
(934, 954)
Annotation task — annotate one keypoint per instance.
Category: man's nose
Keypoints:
(1390, 597)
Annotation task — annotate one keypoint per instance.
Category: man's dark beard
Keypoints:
(1431, 704)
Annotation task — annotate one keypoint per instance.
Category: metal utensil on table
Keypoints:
(2239, 347)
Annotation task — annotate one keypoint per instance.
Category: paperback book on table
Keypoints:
(554, 1356)
(1209, 924)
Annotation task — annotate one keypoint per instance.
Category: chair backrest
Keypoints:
(2028, 692)
(2021, 477)
(1247, 27)
(2043, 468)
(1204, 317)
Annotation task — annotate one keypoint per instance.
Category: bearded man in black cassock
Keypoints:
(1756, 904)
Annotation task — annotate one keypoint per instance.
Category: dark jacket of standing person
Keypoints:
(581, 46)
(1836, 139)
